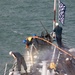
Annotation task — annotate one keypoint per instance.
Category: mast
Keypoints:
(54, 20)
(54, 51)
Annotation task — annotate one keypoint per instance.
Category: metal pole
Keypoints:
(5, 69)
(53, 54)
(58, 58)
(54, 21)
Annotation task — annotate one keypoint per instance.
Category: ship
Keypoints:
(44, 57)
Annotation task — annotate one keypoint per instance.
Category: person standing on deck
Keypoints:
(58, 32)
(19, 60)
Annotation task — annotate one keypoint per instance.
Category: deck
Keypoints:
(63, 67)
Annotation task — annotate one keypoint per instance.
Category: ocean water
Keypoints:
(21, 18)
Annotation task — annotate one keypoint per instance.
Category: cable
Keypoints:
(55, 46)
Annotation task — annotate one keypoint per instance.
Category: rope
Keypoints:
(55, 46)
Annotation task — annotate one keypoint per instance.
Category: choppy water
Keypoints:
(21, 18)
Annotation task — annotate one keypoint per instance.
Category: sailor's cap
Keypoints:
(57, 24)
(10, 53)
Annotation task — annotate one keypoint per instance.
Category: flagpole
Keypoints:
(54, 21)
(58, 12)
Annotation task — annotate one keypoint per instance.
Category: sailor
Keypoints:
(46, 36)
(58, 32)
(19, 60)
(34, 39)
(28, 41)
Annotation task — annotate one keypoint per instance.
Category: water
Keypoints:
(21, 18)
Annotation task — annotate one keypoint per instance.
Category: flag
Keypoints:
(62, 9)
